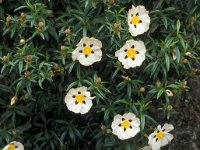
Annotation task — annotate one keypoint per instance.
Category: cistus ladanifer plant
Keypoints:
(91, 74)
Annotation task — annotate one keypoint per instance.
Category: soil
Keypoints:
(187, 122)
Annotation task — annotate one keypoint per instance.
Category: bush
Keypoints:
(37, 70)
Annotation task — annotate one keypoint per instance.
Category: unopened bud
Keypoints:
(194, 71)
(8, 18)
(185, 61)
(28, 59)
(27, 74)
(142, 90)
(26, 96)
(22, 14)
(169, 93)
(63, 47)
(174, 56)
(183, 85)
(52, 74)
(13, 100)
(56, 66)
(125, 77)
(158, 84)
(5, 59)
(112, 1)
(41, 24)
(169, 107)
(103, 127)
(116, 27)
(22, 41)
(98, 79)
(14, 133)
(68, 30)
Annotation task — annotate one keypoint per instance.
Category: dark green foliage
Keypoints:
(39, 70)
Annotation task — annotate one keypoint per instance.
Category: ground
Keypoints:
(187, 122)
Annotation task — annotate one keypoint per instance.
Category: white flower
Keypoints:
(126, 126)
(88, 51)
(14, 146)
(138, 20)
(79, 100)
(132, 54)
(160, 137)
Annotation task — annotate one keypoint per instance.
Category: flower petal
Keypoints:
(168, 127)
(86, 107)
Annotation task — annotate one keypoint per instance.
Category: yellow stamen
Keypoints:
(160, 135)
(87, 50)
(11, 147)
(126, 124)
(131, 53)
(80, 98)
(135, 20)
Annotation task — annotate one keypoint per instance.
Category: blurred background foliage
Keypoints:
(36, 69)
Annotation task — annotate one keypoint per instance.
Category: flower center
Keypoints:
(125, 124)
(80, 98)
(160, 135)
(131, 53)
(135, 20)
(87, 50)
(11, 147)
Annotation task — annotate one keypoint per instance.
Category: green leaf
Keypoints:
(178, 24)
(160, 92)
(53, 32)
(167, 61)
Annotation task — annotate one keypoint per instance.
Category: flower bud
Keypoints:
(174, 56)
(63, 47)
(5, 59)
(41, 24)
(103, 127)
(26, 96)
(183, 85)
(22, 41)
(28, 60)
(125, 77)
(158, 84)
(169, 93)
(116, 27)
(169, 108)
(56, 67)
(192, 21)
(27, 74)
(185, 61)
(13, 100)
(14, 133)
(68, 30)
(8, 18)
(22, 14)
(112, 1)
(98, 79)
(38, 30)
(52, 74)
(142, 89)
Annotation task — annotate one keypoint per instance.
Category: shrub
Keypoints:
(37, 70)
